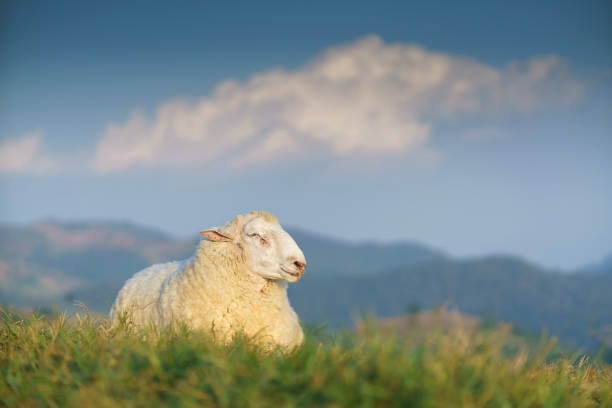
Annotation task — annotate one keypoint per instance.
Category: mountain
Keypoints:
(44, 262)
(330, 257)
(602, 267)
(58, 263)
(572, 307)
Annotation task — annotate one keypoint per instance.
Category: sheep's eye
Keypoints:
(261, 239)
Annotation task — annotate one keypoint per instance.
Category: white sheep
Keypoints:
(235, 282)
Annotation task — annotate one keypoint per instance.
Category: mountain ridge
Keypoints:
(53, 262)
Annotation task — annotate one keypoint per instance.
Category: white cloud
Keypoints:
(19, 154)
(367, 98)
(24, 155)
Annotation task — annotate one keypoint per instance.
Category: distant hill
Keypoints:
(572, 307)
(330, 257)
(44, 262)
(599, 268)
(57, 263)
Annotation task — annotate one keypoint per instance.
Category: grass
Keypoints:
(82, 362)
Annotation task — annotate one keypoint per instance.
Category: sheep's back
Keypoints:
(138, 296)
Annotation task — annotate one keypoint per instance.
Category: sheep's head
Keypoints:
(269, 251)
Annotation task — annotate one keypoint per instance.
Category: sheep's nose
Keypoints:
(301, 266)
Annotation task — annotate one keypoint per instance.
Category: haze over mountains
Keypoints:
(59, 262)
(598, 268)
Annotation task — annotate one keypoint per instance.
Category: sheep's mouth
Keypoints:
(294, 274)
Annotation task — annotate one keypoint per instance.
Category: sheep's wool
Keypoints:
(213, 291)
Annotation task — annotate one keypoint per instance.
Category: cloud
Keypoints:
(24, 155)
(18, 154)
(366, 98)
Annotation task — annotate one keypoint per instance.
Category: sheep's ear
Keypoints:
(215, 235)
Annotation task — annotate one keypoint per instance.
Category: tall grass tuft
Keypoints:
(84, 362)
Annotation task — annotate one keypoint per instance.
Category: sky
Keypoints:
(475, 127)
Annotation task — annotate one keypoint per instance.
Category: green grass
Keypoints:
(85, 363)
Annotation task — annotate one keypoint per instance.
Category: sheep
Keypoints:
(236, 282)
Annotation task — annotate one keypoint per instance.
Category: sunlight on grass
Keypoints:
(81, 361)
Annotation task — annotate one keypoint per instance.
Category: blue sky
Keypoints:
(478, 127)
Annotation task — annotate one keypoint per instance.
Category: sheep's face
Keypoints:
(271, 252)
